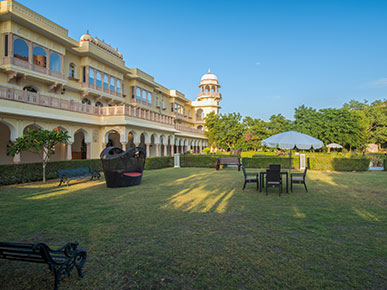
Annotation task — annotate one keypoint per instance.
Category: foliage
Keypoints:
(338, 164)
(41, 142)
(264, 162)
(158, 162)
(255, 131)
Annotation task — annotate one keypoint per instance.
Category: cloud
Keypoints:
(380, 83)
(257, 63)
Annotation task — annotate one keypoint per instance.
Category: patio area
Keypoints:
(195, 228)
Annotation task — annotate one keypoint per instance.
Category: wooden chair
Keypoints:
(250, 177)
(298, 178)
(273, 179)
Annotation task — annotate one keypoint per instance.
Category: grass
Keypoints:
(195, 228)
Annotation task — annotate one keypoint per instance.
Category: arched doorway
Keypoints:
(28, 156)
(130, 141)
(59, 149)
(5, 141)
(79, 146)
(113, 139)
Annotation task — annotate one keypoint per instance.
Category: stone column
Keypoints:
(16, 158)
(147, 150)
(172, 149)
(88, 150)
(68, 151)
(165, 150)
(157, 149)
(123, 145)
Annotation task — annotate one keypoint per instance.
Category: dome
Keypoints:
(86, 37)
(209, 78)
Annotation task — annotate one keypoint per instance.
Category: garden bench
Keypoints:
(60, 261)
(228, 161)
(66, 175)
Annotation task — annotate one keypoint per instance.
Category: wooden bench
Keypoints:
(60, 261)
(228, 161)
(66, 175)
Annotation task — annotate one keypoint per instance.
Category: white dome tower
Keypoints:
(209, 97)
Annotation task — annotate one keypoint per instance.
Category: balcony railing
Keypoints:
(188, 129)
(178, 115)
(17, 95)
(101, 89)
(140, 102)
(30, 66)
(212, 94)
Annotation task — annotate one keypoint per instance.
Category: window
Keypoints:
(189, 113)
(157, 101)
(91, 76)
(184, 112)
(84, 74)
(55, 64)
(149, 97)
(162, 103)
(112, 84)
(132, 92)
(6, 45)
(171, 107)
(39, 56)
(30, 89)
(143, 96)
(98, 104)
(105, 82)
(20, 49)
(72, 70)
(118, 86)
(86, 101)
(138, 94)
(99, 79)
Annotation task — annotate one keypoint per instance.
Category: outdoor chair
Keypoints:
(250, 178)
(275, 167)
(273, 179)
(298, 178)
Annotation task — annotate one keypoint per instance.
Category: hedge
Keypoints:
(28, 172)
(338, 164)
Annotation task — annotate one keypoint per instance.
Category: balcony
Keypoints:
(100, 89)
(17, 95)
(188, 129)
(178, 115)
(140, 102)
(10, 60)
(210, 94)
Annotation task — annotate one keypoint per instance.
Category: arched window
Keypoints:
(112, 84)
(30, 89)
(72, 70)
(55, 62)
(99, 79)
(91, 76)
(86, 101)
(105, 82)
(118, 86)
(98, 104)
(39, 56)
(144, 96)
(213, 89)
(149, 97)
(138, 94)
(207, 88)
(20, 49)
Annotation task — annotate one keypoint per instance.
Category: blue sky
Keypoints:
(270, 56)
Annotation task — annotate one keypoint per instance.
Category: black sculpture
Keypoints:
(123, 168)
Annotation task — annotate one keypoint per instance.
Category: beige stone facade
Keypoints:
(50, 80)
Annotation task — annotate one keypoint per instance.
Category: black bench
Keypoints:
(60, 261)
(66, 175)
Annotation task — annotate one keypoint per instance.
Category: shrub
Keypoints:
(338, 164)
(206, 150)
(158, 162)
(265, 161)
(198, 161)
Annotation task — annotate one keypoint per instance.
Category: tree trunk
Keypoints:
(44, 172)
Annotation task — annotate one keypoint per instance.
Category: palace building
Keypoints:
(51, 81)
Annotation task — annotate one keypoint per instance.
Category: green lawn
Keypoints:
(195, 228)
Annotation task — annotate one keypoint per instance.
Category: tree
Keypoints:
(377, 116)
(279, 124)
(41, 142)
(255, 131)
(225, 130)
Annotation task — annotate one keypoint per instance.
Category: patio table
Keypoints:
(262, 178)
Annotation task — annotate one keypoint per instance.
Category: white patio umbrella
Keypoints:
(292, 139)
(334, 146)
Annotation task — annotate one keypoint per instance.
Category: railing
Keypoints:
(188, 129)
(17, 95)
(212, 94)
(140, 102)
(97, 88)
(178, 115)
(36, 68)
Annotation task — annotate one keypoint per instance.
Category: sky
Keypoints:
(269, 56)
